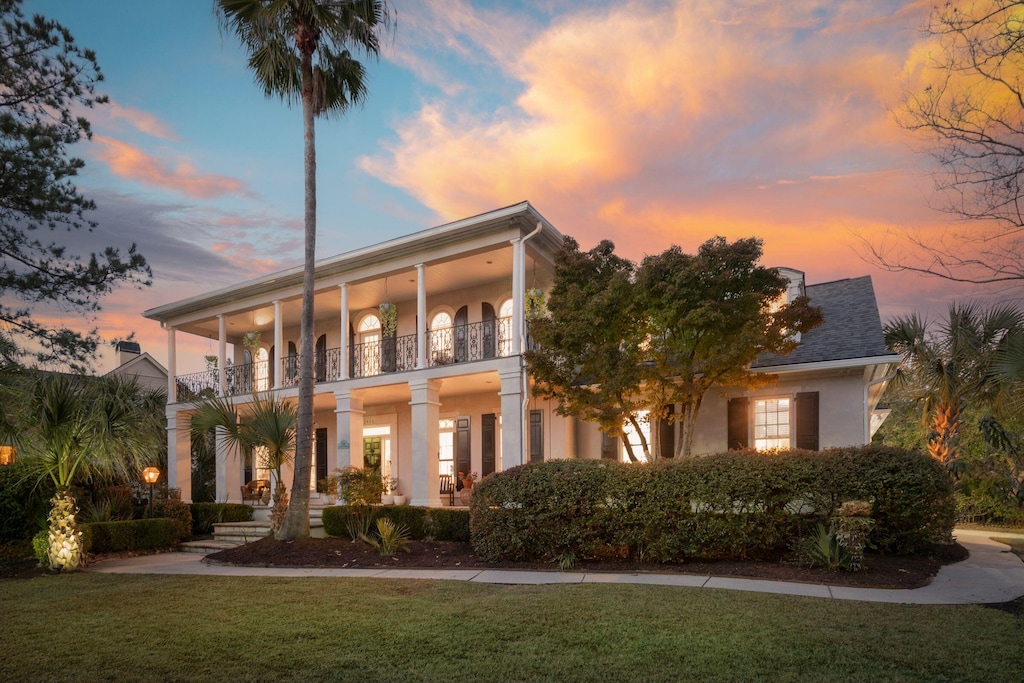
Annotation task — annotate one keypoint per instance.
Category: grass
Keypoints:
(1016, 544)
(101, 627)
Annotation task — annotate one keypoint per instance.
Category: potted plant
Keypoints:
(386, 496)
(388, 319)
(467, 479)
(251, 341)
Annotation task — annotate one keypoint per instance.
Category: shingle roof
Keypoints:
(852, 327)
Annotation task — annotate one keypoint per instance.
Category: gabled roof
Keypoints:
(852, 328)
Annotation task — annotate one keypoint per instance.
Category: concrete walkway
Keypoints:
(991, 574)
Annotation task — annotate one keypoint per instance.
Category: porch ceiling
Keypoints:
(463, 272)
(398, 392)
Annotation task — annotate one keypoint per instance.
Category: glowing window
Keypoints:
(771, 423)
(446, 449)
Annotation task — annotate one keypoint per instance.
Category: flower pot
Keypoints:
(399, 499)
(266, 498)
(387, 499)
(331, 498)
(465, 495)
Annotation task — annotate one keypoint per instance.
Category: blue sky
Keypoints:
(647, 122)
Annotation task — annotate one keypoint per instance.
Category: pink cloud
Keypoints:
(128, 161)
(138, 119)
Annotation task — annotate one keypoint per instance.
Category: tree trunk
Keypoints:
(689, 423)
(65, 538)
(943, 442)
(643, 440)
(296, 521)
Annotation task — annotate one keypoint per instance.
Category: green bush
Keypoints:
(358, 486)
(177, 511)
(413, 518)
(338, 518)
(23, 503)
(447, 524)
(41, 547)
(730, 505)
(136, 534)
(205, 515)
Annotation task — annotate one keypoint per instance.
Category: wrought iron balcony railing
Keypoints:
(447, 346)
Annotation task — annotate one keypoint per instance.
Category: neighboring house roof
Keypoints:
(851, 329)
(145, 369)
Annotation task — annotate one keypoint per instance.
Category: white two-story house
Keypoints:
(419, 365)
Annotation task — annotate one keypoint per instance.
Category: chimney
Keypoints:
(127, 351)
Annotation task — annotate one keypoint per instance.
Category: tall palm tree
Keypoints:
(956, 364)
(299, 49)
(71, 429)
(266, 428)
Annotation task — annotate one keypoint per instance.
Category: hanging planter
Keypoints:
(388, 319)
(251, 341)
(535, 306)
(211, 362)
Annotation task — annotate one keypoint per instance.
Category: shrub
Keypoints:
(415, 519)
(348, 520)
(730, 505)
(205, 515)
(136, 534)
(23, 503)
(177, 511)
(359, 486)
(41, 547)
(389, 537)
(447, 524)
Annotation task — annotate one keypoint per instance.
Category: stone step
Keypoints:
(205, 547)
(238, 533)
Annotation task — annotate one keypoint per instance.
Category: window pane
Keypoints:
(771, 423)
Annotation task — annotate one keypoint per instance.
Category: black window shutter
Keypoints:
(609, 447)
(667, 433)
(807, 420)
(321, 455)
(536, 436)
(739, 421)
(487, 434)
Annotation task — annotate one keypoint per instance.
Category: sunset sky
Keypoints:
(645, 122)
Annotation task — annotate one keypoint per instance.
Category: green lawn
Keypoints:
(102, 627)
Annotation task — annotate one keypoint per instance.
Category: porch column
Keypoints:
(349, 414)
(425, 442)
(222, 352)
(512, 440)
(518, 259)
(278, 342)
(421, 315)
(172, 367)
(344, 331)
(223, 477)
(179, 453)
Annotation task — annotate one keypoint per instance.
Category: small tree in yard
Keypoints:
(619, 340)
(588, 349)
(266, 429)
(966, 359)
(709, 316)
(71, 429)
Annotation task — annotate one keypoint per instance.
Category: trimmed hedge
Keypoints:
(730, 505)
(441, 524)
(135, 534)
(205, 515)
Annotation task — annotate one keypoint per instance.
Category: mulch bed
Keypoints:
(881, 571)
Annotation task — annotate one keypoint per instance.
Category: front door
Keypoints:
(372, 451)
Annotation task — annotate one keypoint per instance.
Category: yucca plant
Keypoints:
(825, 550)
(390, 538)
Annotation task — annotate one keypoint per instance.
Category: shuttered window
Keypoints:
(536, 436)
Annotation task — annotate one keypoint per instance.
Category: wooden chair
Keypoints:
(253, 491)
(448, 488)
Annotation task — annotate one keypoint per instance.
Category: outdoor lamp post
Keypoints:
(150, 475)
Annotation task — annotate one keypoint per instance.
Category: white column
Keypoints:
(517, 295)
(345, 350)
(279, 353)
(221, 464)
(222, 352)
(179, 453)
(349, 415)
(421, 315)
(172, 367)
(425, 442)
(512, 439)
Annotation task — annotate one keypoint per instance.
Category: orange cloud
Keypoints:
(138, 119)
(130, 162)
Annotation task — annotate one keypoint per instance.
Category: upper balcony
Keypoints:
(446, 346)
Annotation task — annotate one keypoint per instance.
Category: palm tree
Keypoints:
(959, 363)
(298, 48)
(267, 429)
(72, 429)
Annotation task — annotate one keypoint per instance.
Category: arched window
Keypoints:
(505, 328)
(262, 370)
(440, 338)
(369, 346)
